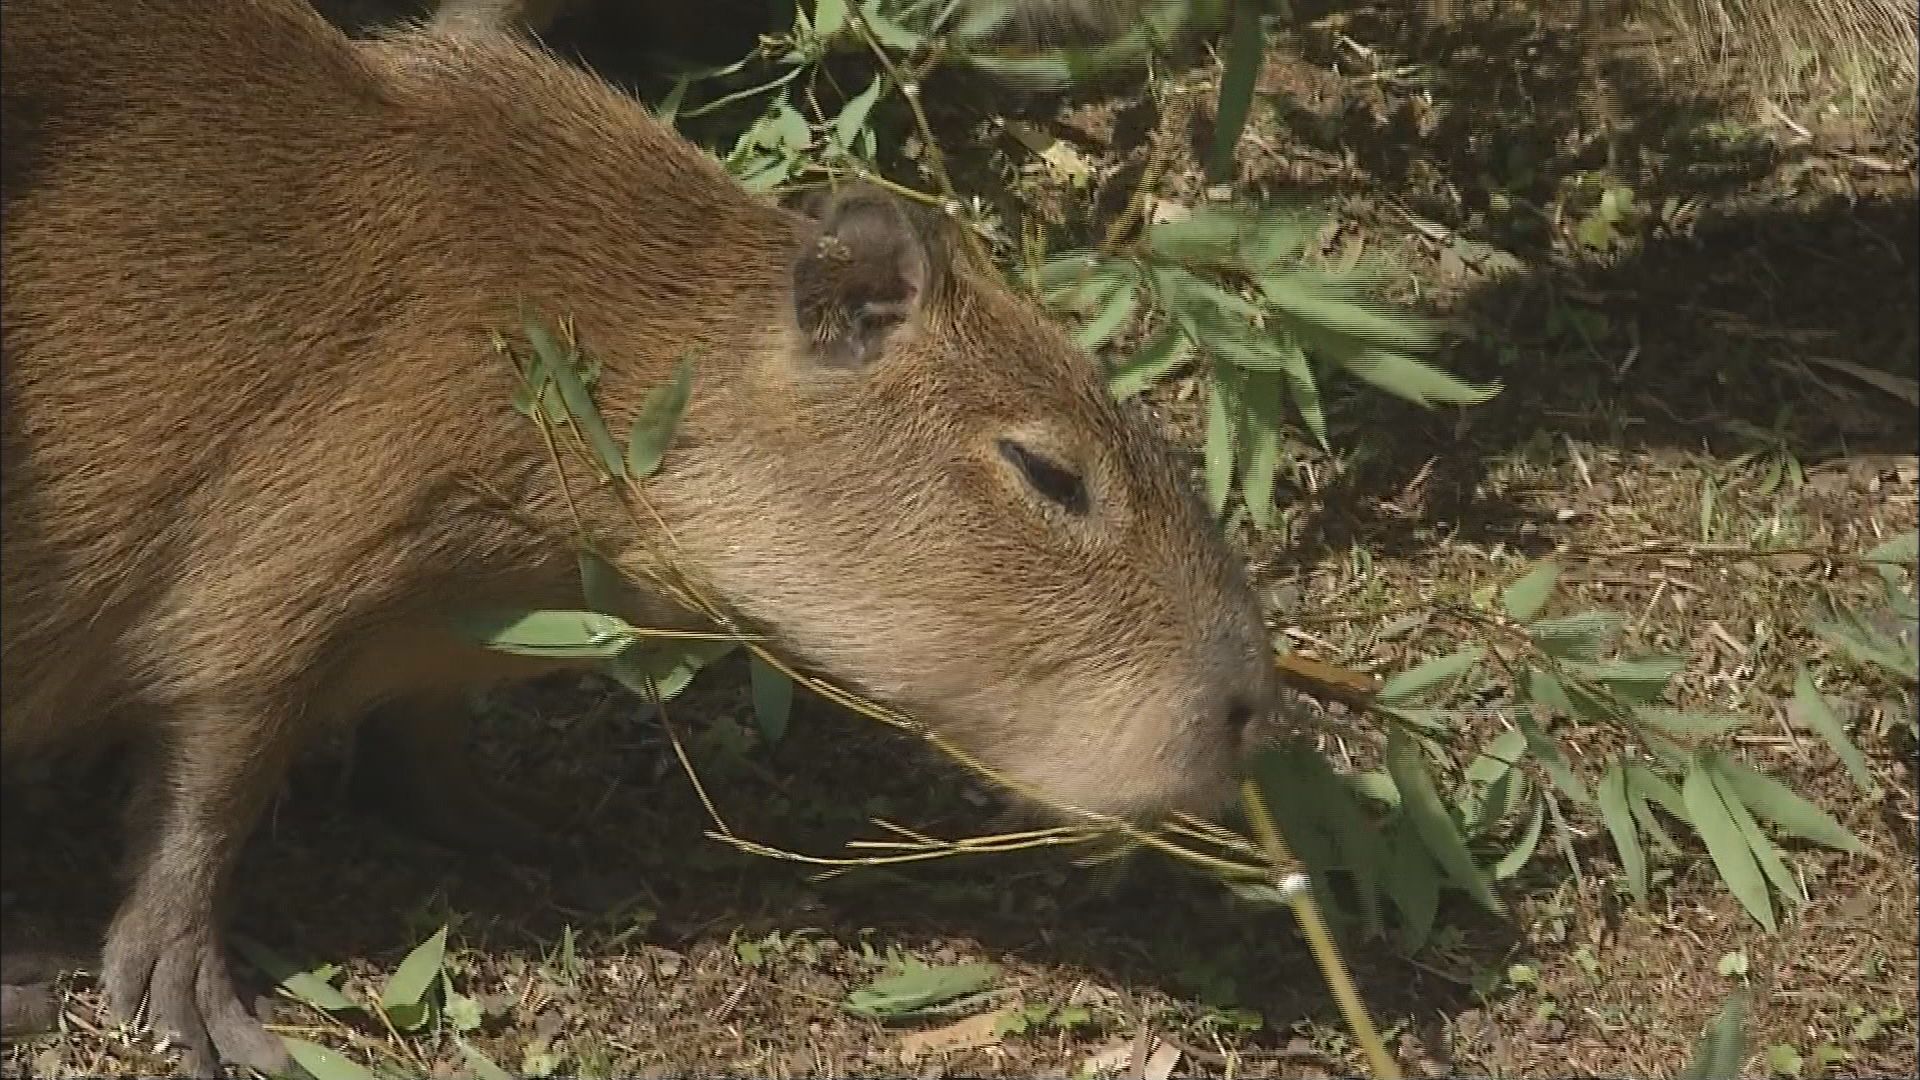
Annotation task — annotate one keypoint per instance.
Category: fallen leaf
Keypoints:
(963, 1035)
(1160, 1065)
(1110, 1058)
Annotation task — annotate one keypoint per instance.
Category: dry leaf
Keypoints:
(966, 1034)
(1160, 1064)
(1110, 1058)
(1063, 158)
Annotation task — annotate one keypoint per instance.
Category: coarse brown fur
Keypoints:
(1023, 22)
(249, 274)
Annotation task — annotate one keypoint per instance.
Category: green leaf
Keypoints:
(1721, 1050)
(1615, 813)
(658, 419)
(1580, 637)
(1219, 445)
(1260, 398)
(1766, 854)
(854, 116)
(1498, 758)
(829, 17)
(1209, 236)
(1689, 724)
(1784, 1060)
(461, 1011)
(1811, 710)
(1569, 698)
(1776, 802)
(918, 987)
(1713, 819)
(1153, 362)
(404, 997)
(573, 393)
(1361, 334)
(667, 665)
(1871, 646)
(1119, 306)
(1280, 235)
(1902, 550)
(1414, 886)
(1410, 379)
(307, 986)
(1526, 598)
(556, 634)
(1420, 801)
(1554, 760)
(482, 1065)
(1523, 849)
(772, 698)
(669, 108)
(1429, 673)
(1303, 388)
(1642, 680)
(980, 18)
(1246, 49)
(888, 32)
(322, 1063)
(1647, 784)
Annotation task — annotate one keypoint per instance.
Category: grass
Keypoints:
(1684, 375)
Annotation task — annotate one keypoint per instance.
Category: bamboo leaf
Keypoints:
(1153, 362)
(1303, 388)
(854, 117)
(1712, 818)
(415, 975)
(1690, 724)
(1414, 886)
(1580, 637)
(1647, 784)
(1778, 803)
(1721, 1051)
(558, 634)
(322, 1063)
(573, 394)
(1615, 813)
(1429, 673)
(1117, 307)
(1420, 801)
(1219, 445)
(1554, 761)
(658, 420)
(772, 698)
(1766, 854)
(1260, 397)
(1526, 598)
(1811, 710)
(1517, 857)
(1642, 680)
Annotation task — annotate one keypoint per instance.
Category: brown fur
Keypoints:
(247, 286)
(1028, 22)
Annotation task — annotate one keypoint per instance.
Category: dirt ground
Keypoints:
(1715, 359)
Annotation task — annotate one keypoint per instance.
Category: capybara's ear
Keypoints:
(864, 270)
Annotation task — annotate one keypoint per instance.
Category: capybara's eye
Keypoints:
(1055, 482)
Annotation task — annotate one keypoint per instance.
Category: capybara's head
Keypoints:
(933, 496)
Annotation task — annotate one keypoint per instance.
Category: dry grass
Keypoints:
(1869, 49)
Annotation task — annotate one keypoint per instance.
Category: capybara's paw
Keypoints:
(28, 1003)
(181, 976)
